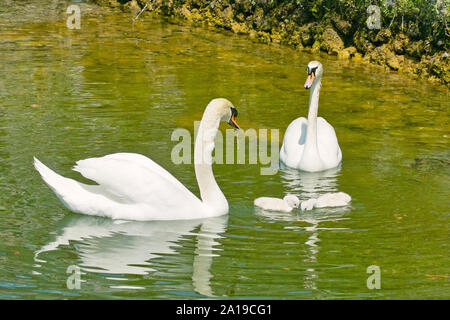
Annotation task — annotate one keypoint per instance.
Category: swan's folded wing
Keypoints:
(329, 149)
(293, 142)
(133, 178)
(295, 134)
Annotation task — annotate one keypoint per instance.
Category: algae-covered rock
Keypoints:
(191, 15)
(415, 49)
(331, 42)
(361, 43)
(261, 22)
(383, 36)
(392, 61)
(438, 66)
(227, 14)
(306, 37)
(240, 28)
(347, 53)
(398, 46)
(343, 54)
(378, 55)
(132, 6)
(294, 38)
(108, 3)
(357, 57)
(315, 47)
(344, 27)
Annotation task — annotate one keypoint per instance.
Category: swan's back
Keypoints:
(294, 142)
(149, 190)
(328, 145)
(130, 187)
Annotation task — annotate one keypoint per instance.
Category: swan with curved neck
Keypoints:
(311, 144)
(131, 186)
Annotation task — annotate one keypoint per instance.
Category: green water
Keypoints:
(67, 94)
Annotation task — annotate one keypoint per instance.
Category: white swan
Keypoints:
(286, 204)
(133, 187)
(311, 144)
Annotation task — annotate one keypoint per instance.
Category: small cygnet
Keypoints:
(308, 204)
(286, 204)
(337, 199)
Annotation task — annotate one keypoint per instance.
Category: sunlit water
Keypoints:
(110, 87)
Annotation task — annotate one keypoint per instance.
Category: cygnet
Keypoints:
(286, 204)
(337, 199)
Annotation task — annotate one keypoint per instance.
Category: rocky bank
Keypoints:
(409, 41)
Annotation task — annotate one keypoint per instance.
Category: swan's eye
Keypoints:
(234, 114)
(311, 70)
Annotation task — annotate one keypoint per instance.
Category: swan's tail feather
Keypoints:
(61, 186)
(76, 196)
(51, 178)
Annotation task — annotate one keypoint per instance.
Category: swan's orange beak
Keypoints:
(232, 121)
(309, 80)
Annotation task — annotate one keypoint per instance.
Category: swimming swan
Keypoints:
(311, 144)
(133, 187)
(286, 204)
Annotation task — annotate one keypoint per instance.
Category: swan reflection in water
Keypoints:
(128, 247)
(307, 185)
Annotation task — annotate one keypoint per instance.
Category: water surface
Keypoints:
(112, 87)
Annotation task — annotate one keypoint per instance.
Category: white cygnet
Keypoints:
(337, 199)
(308, 204)
(286, 204)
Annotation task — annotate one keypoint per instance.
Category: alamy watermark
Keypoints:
(374, 281)
(74, 19)
(258, 149)
(74, 280)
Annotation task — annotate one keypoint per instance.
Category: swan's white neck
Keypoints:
(210, 192)
(311, 151)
